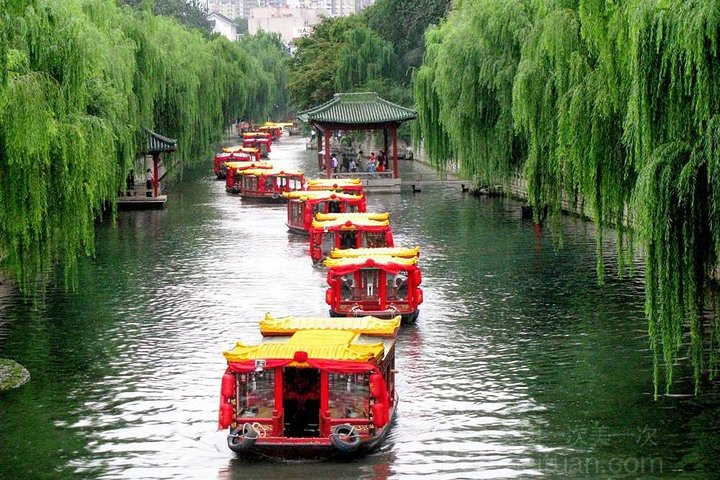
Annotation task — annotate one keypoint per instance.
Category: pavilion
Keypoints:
(358, 111)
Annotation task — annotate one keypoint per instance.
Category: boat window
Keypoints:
(374, 240)
(348, 395)
(348, 287)
(328, 242)
(397, 287)
(269, 183)
(257, 394)
(249, 183)
(296, 212)
(349, 208)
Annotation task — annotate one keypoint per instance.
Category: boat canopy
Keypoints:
(333, 182)
(403, 252)
(329, 217)
(305, 195)
(379, 261)
(248, 165)
(239, 148)
(370, 326)
(349, 223)
(324, 342)
(268, 172)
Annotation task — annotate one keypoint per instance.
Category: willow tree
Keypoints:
(617, 104)
(463, 91)
(79, 79)
(268, 49)
(673, 129)
(363, 56)
(64, 132)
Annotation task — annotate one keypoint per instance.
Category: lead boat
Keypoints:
(312, 388)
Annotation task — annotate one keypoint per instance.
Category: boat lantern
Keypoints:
(300, 356)
(226, 413)
(329, 296)
(227, 386)
(380, 414)
(377, 387)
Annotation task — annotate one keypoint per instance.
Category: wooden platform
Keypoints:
(374, 182)
(138, 200)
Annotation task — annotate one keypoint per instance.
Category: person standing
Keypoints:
(149, 179)
(333, 163)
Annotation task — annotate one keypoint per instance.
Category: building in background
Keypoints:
(223, 25)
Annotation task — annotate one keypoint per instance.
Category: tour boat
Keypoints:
(234, 173)
(304, 204)
(348, 230)
(346, 185)
(222, 159)
(255, 152)
(311, 388)
(273, 129)
(259, 140)
(383, 286)
(269, 184)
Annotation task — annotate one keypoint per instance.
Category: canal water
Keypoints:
(519, 366)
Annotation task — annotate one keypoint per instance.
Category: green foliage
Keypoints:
(402, 23)
(613, 104)
(79, 79)
(191, 13)
(269, 51)
(314, 65)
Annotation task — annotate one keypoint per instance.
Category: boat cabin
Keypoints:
(222, 159)
(273, 129)
(380, 285)
(311, 388)
(346, 185)
(234, 170)
(260, 140)
(269, 184)
(348, 230)
(304, 204)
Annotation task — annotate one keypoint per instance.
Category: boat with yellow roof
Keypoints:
(304, 204)
(348, 230)
(347, 185)
(269, 184)
(402, 252)
(222, 159)
(379, 285)
(311, 388)
(234, 173)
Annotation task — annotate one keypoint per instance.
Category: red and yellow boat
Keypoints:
(259, 140)
(222, 159)
(304, 204)
(311, 388)
(268, 185)
(383, 284)
(348, 230)
(346, 185)
(234, 170)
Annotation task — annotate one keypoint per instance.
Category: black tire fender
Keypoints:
(345, 438)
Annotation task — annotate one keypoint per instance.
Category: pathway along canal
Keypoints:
(519, 364)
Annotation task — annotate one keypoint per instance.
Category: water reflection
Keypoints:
(519, 365)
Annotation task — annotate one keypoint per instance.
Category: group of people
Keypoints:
(375, 163)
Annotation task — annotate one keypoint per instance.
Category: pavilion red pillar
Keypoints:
(328, 168)
(395, 161)
(156, 161)
(385, 146)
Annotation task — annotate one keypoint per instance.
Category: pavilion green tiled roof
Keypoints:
(357, 108)
(156, 143)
